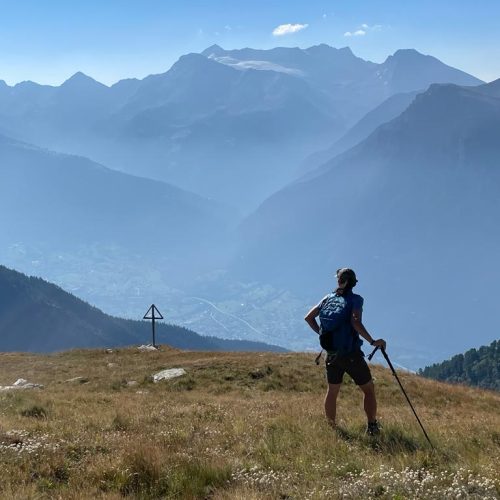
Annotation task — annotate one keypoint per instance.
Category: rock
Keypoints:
(132, 383)
(74, 380)
(112, 365)
(147, 347)
(20, 383)
(109, 351)
(168, 374)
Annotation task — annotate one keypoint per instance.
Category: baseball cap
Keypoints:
(345, 272)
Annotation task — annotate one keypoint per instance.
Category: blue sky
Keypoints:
(49, 40)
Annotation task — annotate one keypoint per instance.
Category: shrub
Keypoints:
(197, 479)
(120, 423)
(142, 472)
(35, 411)
(182, 384)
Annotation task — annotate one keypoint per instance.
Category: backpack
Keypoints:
(335, 324)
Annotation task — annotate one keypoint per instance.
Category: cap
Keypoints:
(346, 273)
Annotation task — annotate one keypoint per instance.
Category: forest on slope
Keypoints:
(38, 316)
(479, 367)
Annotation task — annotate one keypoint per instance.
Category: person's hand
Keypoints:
(380, 343)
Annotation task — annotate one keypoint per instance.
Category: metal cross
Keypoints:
(150, 314)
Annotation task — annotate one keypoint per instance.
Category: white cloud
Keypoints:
(227, 27)
(287, 29)
(363, 30)
(355, 33)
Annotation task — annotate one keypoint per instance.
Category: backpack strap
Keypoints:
(354, 333)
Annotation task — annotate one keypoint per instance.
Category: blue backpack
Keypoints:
(336, 333)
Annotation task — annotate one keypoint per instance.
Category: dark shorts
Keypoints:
(355, 366)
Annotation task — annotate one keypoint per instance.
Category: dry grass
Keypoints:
(237, 426)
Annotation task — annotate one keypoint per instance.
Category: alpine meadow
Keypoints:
(235, 426)
(249, 250)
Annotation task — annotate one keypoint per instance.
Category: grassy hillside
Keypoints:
(38, 316)
(236, 426)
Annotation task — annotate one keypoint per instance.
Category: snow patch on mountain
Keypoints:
(258, 65)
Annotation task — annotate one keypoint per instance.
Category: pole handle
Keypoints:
(318, 357)
(370, 356)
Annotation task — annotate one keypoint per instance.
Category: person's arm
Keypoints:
(360, 328)
(311, 318)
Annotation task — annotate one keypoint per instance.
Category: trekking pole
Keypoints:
(402, 388)
(370, 356)
(318, 357)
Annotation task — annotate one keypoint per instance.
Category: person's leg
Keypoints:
(370, 401)
(359, 370)
(331, 402)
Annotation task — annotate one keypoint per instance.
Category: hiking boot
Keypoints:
(373, 429)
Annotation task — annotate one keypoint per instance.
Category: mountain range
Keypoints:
(412, 208)
(353, 163)
(244, 118)
(63, 203)
(389, 109)
(354, 85)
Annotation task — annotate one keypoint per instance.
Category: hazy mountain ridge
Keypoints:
(385, 112)
(408, 68)
(392, 180)
(38, 316)
(354, 85)
(64, 202)
(195, 124)
(336, 66)
(421, 188)
(59, 116)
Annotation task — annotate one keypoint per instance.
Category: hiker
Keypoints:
(340, 316)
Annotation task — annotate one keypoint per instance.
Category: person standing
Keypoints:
(341, 312)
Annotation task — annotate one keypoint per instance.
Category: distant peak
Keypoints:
(79, 76)
(407, 56)
(190, 58)
(125, 82)
(213, 49)
(79, 79)
(321, 46)
(26, 84)
(493, 83)
(492, 88)
(346, 50)
(324, 49)
(406, 53)
(442, 87)
(193, 62)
